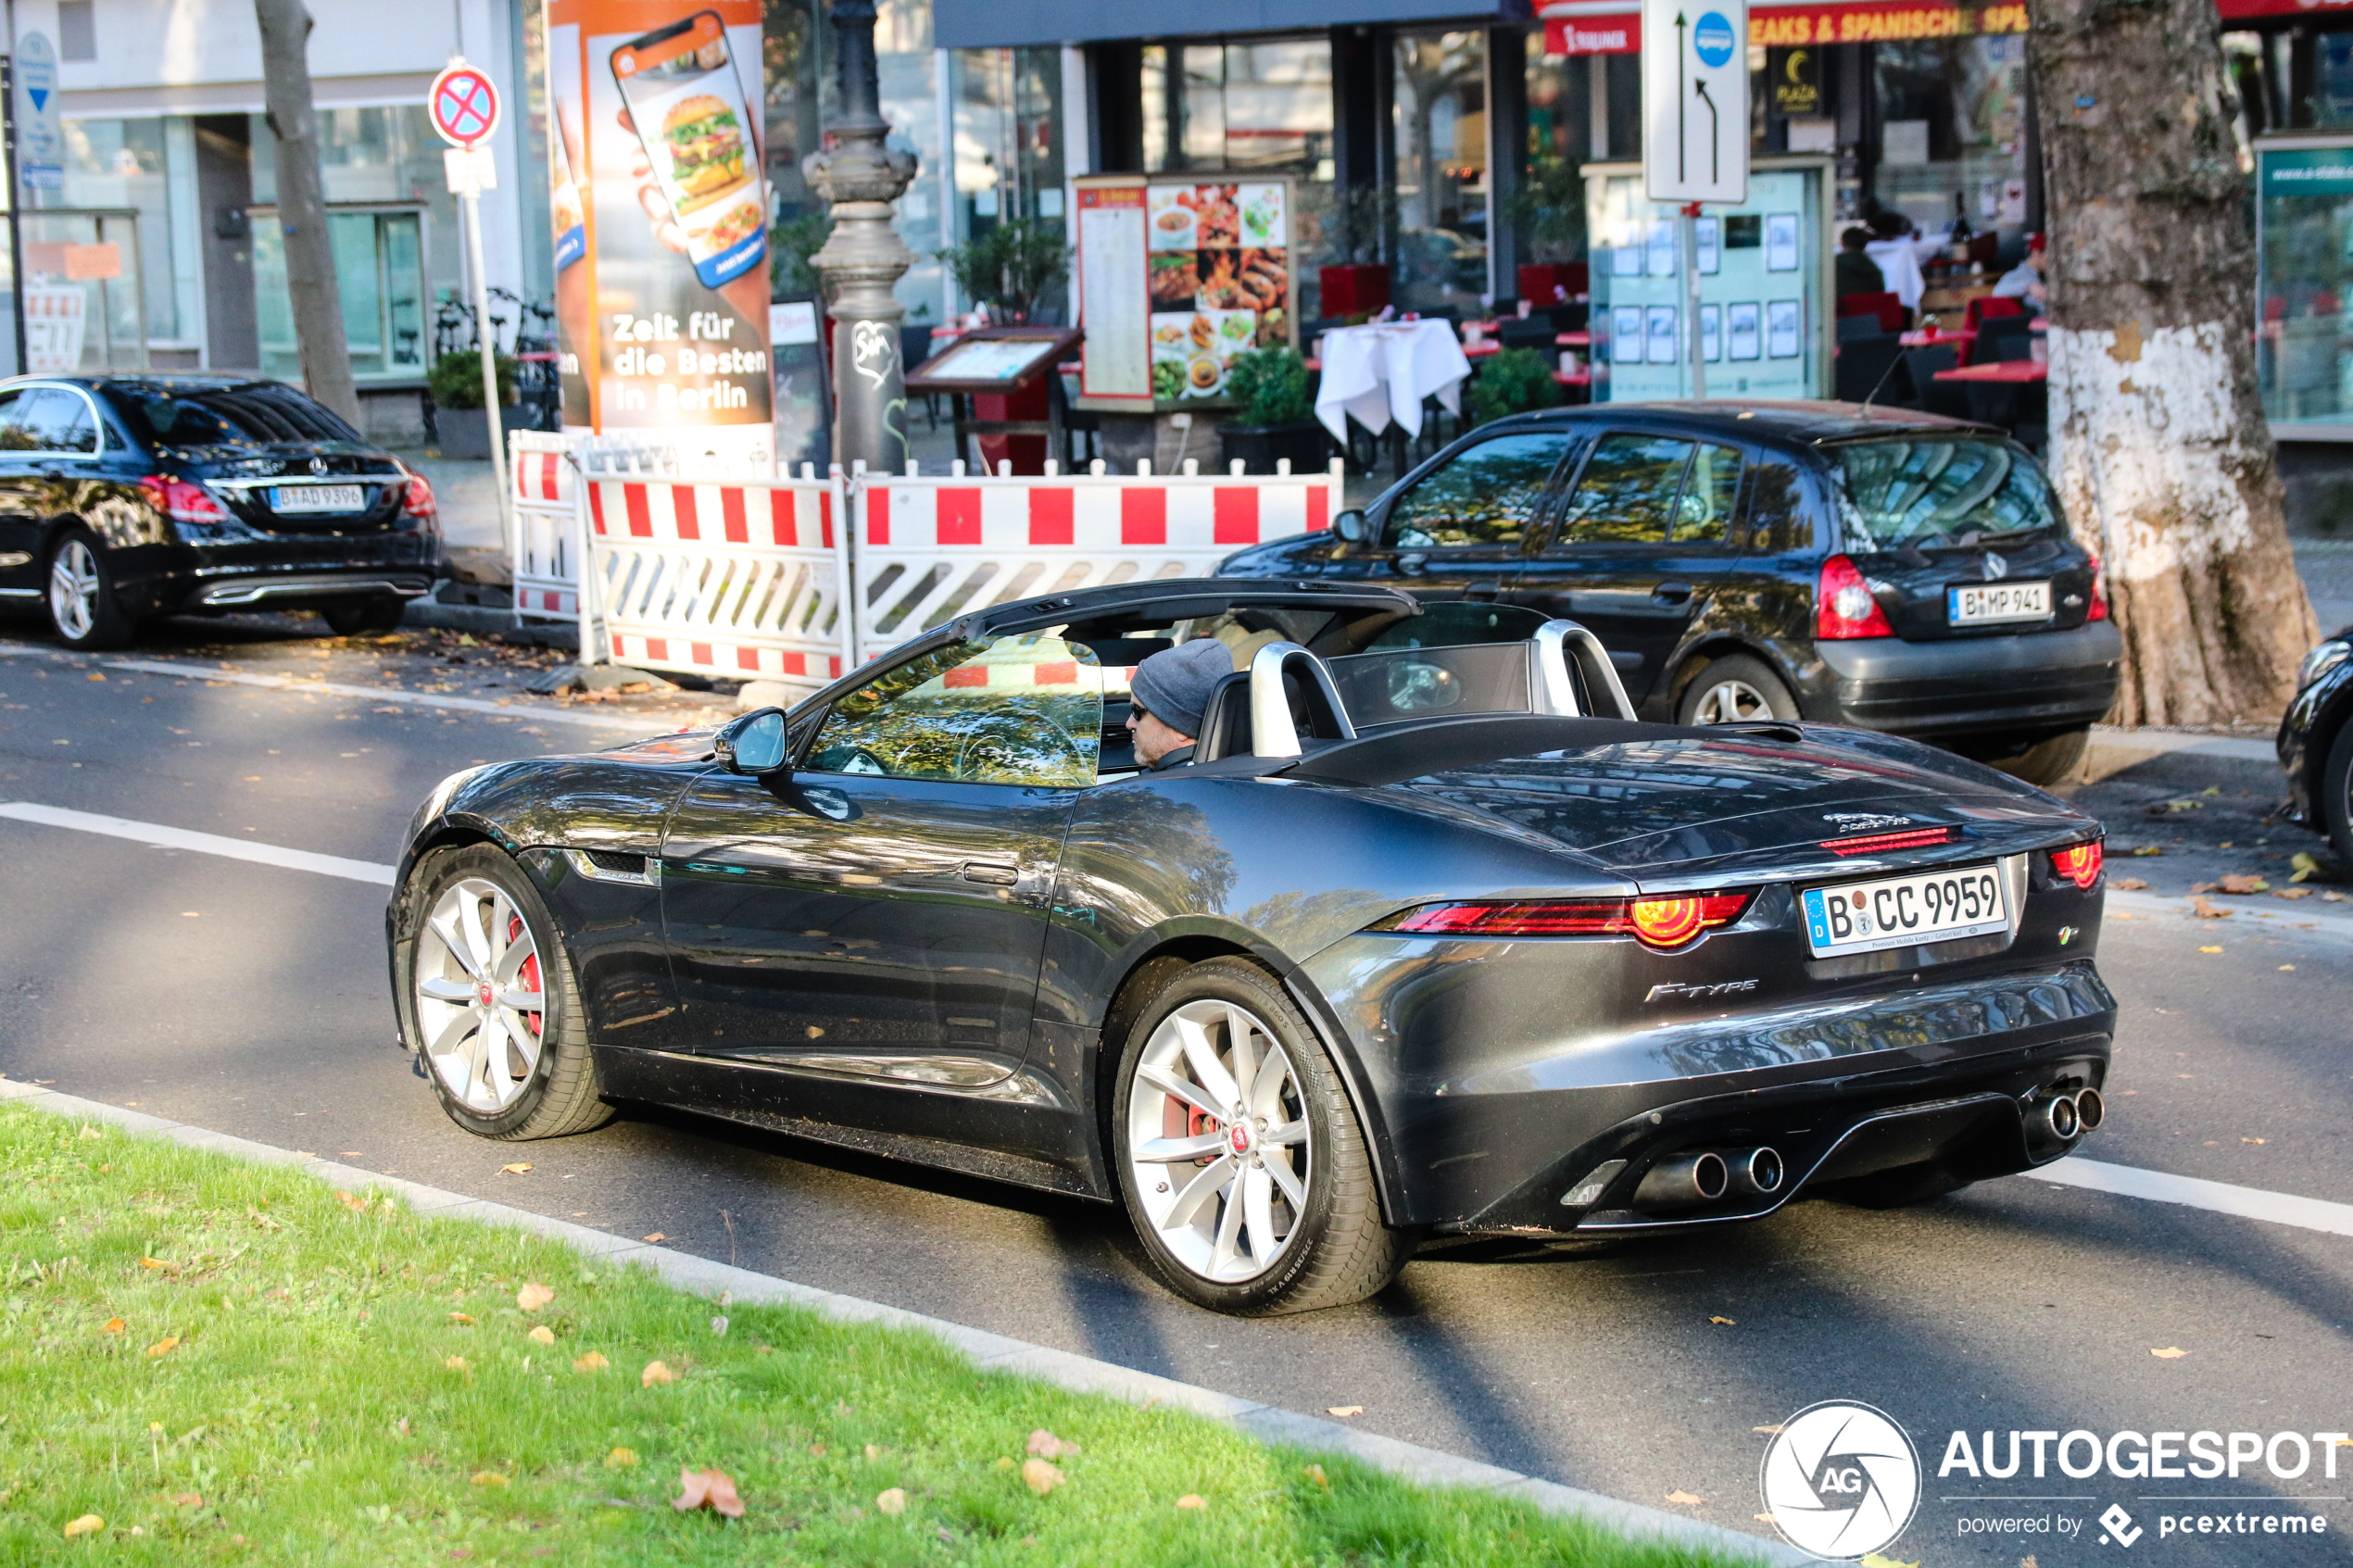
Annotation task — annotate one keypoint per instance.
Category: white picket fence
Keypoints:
(795, 579)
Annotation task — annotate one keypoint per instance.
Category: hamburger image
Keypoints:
(706, 142)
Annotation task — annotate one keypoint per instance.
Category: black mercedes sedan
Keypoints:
(128, 496)
(1426, 934)
(2316, 744)
(1889, 569)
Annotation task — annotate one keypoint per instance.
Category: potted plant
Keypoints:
(460, 429)
(1355, 287)
(1273, 419)
(1549, 209)
(1010, 267)
(1513, 381)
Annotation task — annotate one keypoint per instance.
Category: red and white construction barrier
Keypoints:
(547, 538)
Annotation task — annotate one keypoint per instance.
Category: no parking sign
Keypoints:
(464, 106)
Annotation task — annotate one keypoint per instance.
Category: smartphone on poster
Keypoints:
(693, 118)
(570, 221)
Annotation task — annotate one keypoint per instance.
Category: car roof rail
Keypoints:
(1557, 642)
(1273, 732)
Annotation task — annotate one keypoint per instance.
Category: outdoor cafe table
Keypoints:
(1376, 374)
(2006, 392)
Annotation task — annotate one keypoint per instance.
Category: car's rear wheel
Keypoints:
(2337, 798)
(488, 999)
(82, 606)
(1239, 1155)
(2049, 761)
(1734, 689)
(356, 616)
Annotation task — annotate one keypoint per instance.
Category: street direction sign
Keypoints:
(464, 106)
(1695, 100)
(40, 142)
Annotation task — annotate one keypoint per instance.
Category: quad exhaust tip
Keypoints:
(1683, 1180)
(1756, 1172)
(2089, 1110)
(2061, 1119)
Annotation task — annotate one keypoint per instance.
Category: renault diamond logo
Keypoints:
(1997, 568)
(1841, 1480)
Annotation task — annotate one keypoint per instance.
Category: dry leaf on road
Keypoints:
(1775, 1431)
(1041, 1476)
(517, 1169)
(1765, 1519)
(2129, 883)
(707, 1489)
(891, 1502)
(655, 1237)
(1679, 1496)
(1045, 1445)
(1728, 1323)
(656, 1372)
(533, 1296)
(2170, 1353)
(2244, 885)
(2207, 909)
(2202, 950)
(1343, 1410)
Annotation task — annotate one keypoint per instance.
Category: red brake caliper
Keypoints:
(528, 974)
(1177, 1119)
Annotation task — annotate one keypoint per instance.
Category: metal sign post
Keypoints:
(16, 199)
(464, 106)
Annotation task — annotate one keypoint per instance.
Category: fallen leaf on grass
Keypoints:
(656, 1372)
(517, 1169)
(1045, 1445)
(164, 1344)
(621, 1459)
(466, 1318)
(164, 1263)
(1343, 1410)
(187, 1499)
(873, 1453)
(593, 1361)
(2170, 1353)
(1192, 1499)
(1679, 1496)
(542, 1334)
(1315, 1472)
(891, 1502)
(2207, 909)
(489, 1478)
(457, 1363)
(719, 1325)
(88, 1524)
(1728, 1323)
(707, 1489)
(533, 1296)
(1041, 1476)
(113, 1326)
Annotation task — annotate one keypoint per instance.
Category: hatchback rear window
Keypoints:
(257, 414)
(1926, 493)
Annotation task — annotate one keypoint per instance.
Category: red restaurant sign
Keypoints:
(1576, 28)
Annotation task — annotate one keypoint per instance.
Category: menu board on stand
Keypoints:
(1176, 278)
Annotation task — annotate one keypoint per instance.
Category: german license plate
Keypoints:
(1903, 911)
(319, 498)
(1989, 604)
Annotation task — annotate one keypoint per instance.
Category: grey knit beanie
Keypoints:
(1172, 685)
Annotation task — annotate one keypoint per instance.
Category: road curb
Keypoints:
(1064, 1369)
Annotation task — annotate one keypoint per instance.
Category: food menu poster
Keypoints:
(1168, 302)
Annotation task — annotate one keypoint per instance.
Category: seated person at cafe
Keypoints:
(1855, 272)
(1898, 258)
(2023, 282)
(1167, 698)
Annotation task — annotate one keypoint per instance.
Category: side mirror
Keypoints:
(753, 743)
(1350, 528)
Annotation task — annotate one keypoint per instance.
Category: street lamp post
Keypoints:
(864, 256)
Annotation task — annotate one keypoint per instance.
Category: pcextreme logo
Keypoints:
(1841, 1480)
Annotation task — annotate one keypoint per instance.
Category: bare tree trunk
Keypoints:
(302, 207)
(2160, 450)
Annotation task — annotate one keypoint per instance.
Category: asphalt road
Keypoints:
(252, 999)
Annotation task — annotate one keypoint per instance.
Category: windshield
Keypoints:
(195, 414)
(1924, 494)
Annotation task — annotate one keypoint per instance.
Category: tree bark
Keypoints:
(2160, 450)
(302, 207)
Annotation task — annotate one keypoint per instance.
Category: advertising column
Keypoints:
(660, 215)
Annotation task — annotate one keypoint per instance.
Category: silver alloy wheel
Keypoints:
(1728, 701)
(480, 1003)
(74, 586)
(1217, 1141)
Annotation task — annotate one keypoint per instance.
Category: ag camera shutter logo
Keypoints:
(1842, 1480)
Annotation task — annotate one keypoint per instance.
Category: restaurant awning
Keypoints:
(1610, 26)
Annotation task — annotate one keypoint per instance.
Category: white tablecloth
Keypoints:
(1377, 373)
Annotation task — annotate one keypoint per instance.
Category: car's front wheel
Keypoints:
(2336, 798)
(1239, 1155)
(489, 1000)
(82, 606)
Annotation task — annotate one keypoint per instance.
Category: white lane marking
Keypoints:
(2269, 916)
(375, 693)
(203, 843)
(2221, 1197)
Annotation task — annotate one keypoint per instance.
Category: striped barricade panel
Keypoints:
(546, 501)
(741, 580)
(931, 548)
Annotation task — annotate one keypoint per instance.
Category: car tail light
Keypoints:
(2099, 593)
(1880, 843)
(417, 499)
(1844, 607)
(184, 502)
(2079, 863)
(1656, 922)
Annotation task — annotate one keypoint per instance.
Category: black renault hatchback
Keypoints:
(1889, 569)
(126, 497)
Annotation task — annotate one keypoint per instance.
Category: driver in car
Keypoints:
(1167, 698)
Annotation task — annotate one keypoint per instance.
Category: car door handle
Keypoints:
(1412, 565)
(993, 873)
(1672, 593)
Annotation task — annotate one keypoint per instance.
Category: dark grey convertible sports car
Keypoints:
(1429, 936)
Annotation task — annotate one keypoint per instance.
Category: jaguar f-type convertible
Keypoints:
(1429, 937)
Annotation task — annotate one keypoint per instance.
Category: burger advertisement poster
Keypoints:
(660, 208)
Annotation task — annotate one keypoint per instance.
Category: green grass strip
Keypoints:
(229, 1362)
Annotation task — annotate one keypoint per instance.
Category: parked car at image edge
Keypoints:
(125, 498)
(2316, 744)
(1889, 569)
(1430, 938)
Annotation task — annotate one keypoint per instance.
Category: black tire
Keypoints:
(558, 1095)
(1338, 1250)
(2049, 762)
(1727, 688)
(356, 616)
(77, 588)
(2337, 798)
